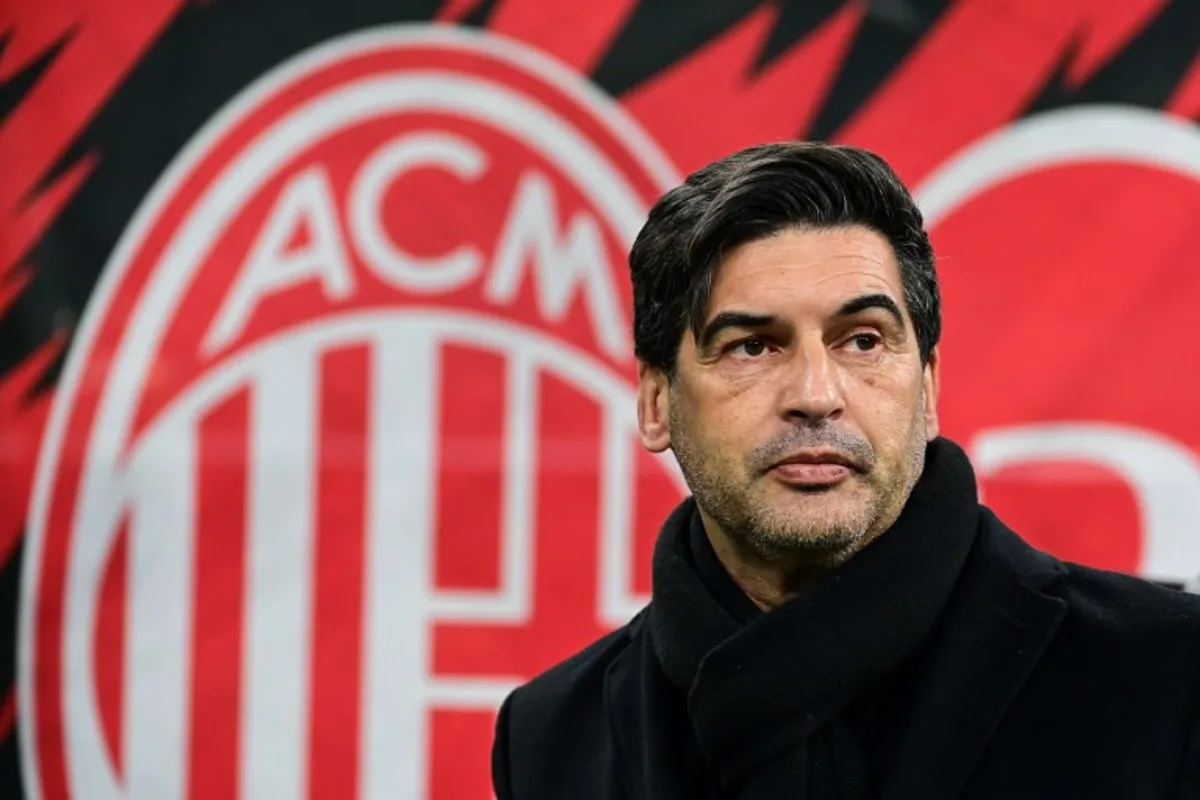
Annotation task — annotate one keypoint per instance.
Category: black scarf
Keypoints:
(767, 698)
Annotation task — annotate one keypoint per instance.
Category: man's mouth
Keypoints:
(814, 468)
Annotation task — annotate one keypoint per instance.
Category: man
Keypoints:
(834, 614)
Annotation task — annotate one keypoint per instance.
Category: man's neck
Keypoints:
(769, 583)
(773, 579)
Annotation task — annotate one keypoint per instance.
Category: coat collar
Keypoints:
(997, 626)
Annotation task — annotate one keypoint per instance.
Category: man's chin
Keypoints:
(829, 520)
(824, 542)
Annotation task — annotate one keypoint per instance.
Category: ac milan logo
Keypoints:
(352, 398)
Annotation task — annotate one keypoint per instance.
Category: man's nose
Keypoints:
(813, 389)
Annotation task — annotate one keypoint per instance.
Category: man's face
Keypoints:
(800, 414)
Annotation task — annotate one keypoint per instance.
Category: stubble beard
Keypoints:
(828, 532)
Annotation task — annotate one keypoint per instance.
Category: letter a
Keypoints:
(271, 267)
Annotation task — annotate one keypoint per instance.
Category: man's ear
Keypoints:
(654, 408)
(932, 379)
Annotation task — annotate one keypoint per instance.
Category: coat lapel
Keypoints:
(997, 626)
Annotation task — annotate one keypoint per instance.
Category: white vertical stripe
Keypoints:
(400, 520)
(279, 542)
(519, 492)
(617, 465)
(158, 604)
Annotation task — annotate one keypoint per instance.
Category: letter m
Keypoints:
(578, 259)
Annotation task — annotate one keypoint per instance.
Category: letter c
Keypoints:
(387, 259)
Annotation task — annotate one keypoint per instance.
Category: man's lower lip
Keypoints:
(811, 474)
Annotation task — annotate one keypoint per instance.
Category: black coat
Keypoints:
(1046, 681)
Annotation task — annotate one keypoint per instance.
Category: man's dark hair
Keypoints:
(751, 195)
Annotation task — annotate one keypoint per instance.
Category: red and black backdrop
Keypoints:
(316, 428)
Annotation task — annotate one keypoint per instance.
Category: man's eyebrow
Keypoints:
(866, 301)
(731, 319)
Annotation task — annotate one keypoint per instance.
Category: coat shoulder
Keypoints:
(553, 729)
(1123, 638)
(581, 673)
(1100, 602)
(1123, 603)
(1119, 681)
(570, 694)
(1138, 638)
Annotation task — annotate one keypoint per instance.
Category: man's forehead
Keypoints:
(820, 268)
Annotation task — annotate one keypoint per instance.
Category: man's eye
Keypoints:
(865, 342)
(750, 347)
